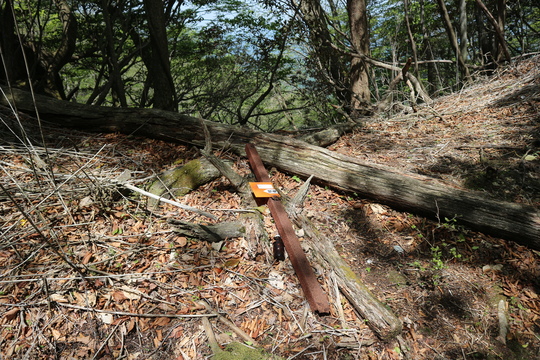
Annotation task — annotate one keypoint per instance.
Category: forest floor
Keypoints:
(144, 291)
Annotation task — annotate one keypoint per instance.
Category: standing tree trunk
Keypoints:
(53, 82)
(453, 39)
(43, 67)
(117, 84)
(359, 76)
(463, 41)
(433, 79)
(500, 47)
(12, 65)
(501, 22)
(159, 70)
(329, 60)
(411, 36)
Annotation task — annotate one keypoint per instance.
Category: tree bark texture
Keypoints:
(210, 233)
(414, 193)
(159, 70)
(117, 84)
(359, 75)
(183, 179)
(379, 318)
(453, 39)
(463, 39)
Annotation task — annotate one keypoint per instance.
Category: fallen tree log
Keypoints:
(414, 193)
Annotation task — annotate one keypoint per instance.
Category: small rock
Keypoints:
(487, 268)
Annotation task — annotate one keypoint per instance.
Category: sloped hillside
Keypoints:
(88, 270)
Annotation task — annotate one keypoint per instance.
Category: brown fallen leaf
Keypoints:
(181, 241)
(177, 333)
(162, 321)
(86, 258)
(11, 314)
(119, 296)
(231, 263)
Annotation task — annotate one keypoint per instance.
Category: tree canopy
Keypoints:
(268, 65)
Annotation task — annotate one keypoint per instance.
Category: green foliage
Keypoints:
(251, 62)
(436, 259)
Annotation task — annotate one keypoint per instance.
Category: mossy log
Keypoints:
(183, 179)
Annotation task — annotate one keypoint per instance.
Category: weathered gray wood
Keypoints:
(379, 318)
(210, 233)
(329, 135)
(414, 193)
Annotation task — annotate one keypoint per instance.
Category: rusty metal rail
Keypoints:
(317, 299)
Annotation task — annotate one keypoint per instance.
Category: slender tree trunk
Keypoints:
(453, 39)
(427, 52)
(502, 50)
(359, 74)
(117, 84)
(52, 82)
(463, 40)
(159, 70)
(483, 46)
(12, 65)
(411, 36)
(499, 31)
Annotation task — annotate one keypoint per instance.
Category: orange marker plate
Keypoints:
(263, 189)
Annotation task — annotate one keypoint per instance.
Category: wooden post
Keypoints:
(317, 299)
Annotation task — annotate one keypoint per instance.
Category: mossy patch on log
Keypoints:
(183, 179)
(237, 351)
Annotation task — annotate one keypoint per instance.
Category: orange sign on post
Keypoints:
(263, 189)
(313, 291)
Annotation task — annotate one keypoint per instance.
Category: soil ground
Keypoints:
(88, 271)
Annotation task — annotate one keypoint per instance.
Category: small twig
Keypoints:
(30, 257)
(122, 313)
(214, 345)
(46, 291)
(41, 234)
(132, 275)
(237, 210)
(104, 343)
(230, 324)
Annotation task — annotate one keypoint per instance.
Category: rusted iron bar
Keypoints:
(317, 299)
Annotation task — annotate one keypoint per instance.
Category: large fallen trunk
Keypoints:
(413, 193)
